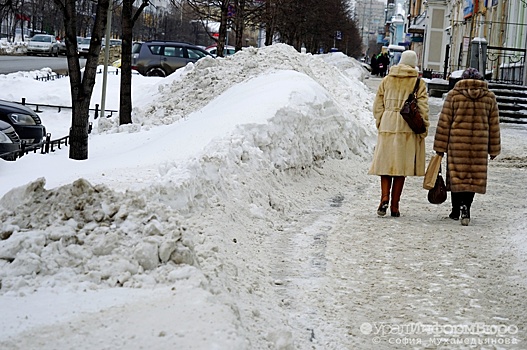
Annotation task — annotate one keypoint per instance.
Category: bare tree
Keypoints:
(14, 9)
(319, 25)
(81, 86)
(128, 20)
(213, 10)
(245, 13)
(272, 10)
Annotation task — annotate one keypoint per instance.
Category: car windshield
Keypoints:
(41, 38)
(85, 41)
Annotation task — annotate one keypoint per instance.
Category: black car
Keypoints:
(25, 121)
(9, 142)
(162, 58)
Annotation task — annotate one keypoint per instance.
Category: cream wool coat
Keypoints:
(399, 151)
(468, 131)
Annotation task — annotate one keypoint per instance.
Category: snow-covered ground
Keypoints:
(236, 213)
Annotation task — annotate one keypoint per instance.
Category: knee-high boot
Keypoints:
(397, 190)
(456, 205)
(466, 202)
(386, 184)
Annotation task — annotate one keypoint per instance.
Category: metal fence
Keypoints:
(48, 145)
(507, 64)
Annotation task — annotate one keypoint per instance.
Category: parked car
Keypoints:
(9, 142)
(227, 51)
(25, 121)
(84, 47)
(62, 44)
(43, 44)
(162, 58)
(113, 42)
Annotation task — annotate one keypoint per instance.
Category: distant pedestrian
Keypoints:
(374, 65)
(468, 131)
(384, 62)
(399, 151)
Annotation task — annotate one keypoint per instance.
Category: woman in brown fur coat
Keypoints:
(468, 131)
(399, 151)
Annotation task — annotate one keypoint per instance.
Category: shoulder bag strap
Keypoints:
(416, 85)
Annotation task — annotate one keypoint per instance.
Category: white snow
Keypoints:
(235, 213)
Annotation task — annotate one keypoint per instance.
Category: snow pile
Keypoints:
(34, 74)
(10, 48)
(88, 237)
(192, 87)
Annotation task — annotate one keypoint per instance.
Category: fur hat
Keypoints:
(471, 73)
(409, 58)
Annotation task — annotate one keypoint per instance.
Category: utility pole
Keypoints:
(106, 57)
(369, 31)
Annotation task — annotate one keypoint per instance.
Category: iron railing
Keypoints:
(46, 146)
(507, 64)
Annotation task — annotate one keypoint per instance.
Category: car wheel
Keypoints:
(57, 53)
(156, 72)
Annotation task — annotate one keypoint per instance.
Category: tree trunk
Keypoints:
(125, 98)
(81, 86)
(239, 21)
(79, 129)
(269, 22)
(223, 28)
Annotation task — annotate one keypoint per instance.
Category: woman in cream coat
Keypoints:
(399, 151)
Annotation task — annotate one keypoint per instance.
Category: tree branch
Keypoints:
(144, 4)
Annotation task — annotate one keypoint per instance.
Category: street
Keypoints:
(16, 63)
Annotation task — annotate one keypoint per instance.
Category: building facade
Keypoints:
(451, 35)
(371, 18)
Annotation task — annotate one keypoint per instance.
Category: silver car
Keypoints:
(84, 47)
(43, 44)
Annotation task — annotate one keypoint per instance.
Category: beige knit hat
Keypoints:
(409, 58)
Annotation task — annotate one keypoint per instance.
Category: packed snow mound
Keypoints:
(94, 237)
(194, 86)
(303, 129)
(89, 235)
(10, 48)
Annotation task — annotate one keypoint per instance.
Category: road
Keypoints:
(15, 63)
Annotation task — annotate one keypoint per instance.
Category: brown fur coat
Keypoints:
(399, 151)
(468, 131)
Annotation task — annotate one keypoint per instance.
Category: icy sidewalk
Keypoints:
(349, 279)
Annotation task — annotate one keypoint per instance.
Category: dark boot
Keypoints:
(456, 205)
(466, 202)
(397, 190)
(386, 184)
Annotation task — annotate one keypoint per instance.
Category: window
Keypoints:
(171, 51)
(195, 53)
(155, 49)
(42, 38)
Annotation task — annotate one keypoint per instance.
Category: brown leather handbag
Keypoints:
(410, 112)
(438, 194)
